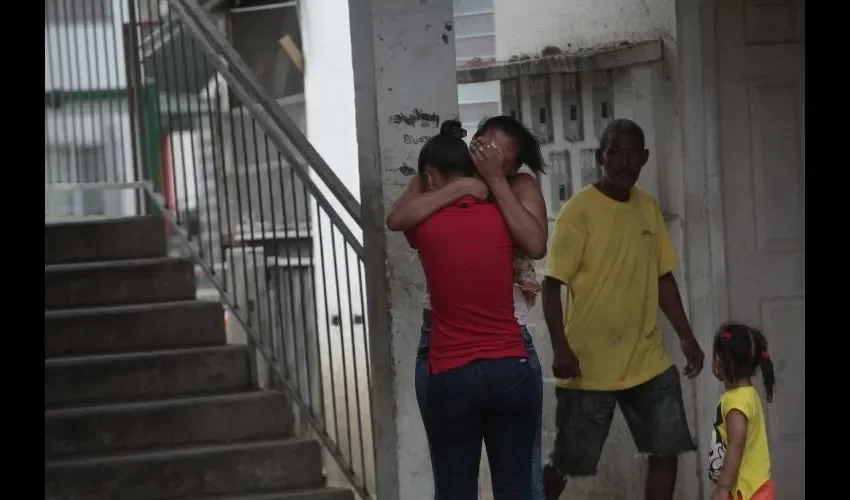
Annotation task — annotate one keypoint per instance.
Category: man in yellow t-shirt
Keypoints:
(611, 249)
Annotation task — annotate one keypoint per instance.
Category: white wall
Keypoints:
(186, 145)
(331, 129)
(530, 25)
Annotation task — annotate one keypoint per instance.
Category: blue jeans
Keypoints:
(422, 383)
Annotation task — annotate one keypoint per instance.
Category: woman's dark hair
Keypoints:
(743, 350)
(528, 147)
(447, 152)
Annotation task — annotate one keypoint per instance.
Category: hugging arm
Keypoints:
(416, 204)
(524, 211)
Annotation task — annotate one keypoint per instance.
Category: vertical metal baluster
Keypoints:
(87, 106)
(74, 118)
(57, 89)
(297, 225)
(105, 118)
(204, 140)
(327, 323)
(314, 297)
(137, 95)
(165, 129)
(118, 116)
(246, 168)
(275, 334)
(99, 9)
(368, 357)
(342, 343)
(291, 371)
(249, 166)
(347, 263)
(142, 121)
(194, 159)
(227, 211)
(217, 160)
(178, 94)
(239, 213)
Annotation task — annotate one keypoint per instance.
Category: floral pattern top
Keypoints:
(526, 277)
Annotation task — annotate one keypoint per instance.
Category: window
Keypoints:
(475, 46)
(474, 24)
(475, 31)
(469, 6)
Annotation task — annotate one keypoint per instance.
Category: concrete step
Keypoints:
(200, 420)
(97, 284)
(314, 494)
(145, 327)
(187, 472)
(119, 238)
(145, 376)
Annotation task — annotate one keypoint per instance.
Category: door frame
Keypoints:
(704, 222)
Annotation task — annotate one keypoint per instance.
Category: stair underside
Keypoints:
(144, 399)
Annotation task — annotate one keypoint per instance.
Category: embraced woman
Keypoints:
(500, 147)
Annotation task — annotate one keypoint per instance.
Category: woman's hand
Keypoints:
(489, 160)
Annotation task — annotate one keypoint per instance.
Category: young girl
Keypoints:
(739, 459)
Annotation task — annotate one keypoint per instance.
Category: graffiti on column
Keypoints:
(415, 118)
(409, 124)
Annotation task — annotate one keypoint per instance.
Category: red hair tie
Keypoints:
(765, 356)
(725, 336)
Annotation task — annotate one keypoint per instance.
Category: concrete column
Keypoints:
(403, 56)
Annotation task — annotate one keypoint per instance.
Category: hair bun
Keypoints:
(452, 128)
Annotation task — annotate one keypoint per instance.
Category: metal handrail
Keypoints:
(154, 39)
(281, 129)
(273, 243)
(255, 341)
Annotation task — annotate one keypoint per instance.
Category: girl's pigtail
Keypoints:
(765, 363)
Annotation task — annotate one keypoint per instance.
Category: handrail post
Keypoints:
(135, 94)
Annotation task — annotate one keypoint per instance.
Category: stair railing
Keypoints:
(275, 233)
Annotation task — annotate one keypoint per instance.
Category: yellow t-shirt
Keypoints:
(610, 255)
(755, 464)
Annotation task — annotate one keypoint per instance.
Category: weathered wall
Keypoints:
(528, 27)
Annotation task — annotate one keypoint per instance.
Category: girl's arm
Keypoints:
(736, 430)
(415, 206)
(524, 210)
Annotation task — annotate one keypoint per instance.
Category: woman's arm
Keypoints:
(415, 206)
(521, 204)
(524, 209)
(736, 429)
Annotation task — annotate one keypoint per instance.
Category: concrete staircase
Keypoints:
(144, 399)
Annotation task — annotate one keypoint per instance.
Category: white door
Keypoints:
(761, 97)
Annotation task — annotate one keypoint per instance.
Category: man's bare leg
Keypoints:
(553, 482)
(660, 479)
